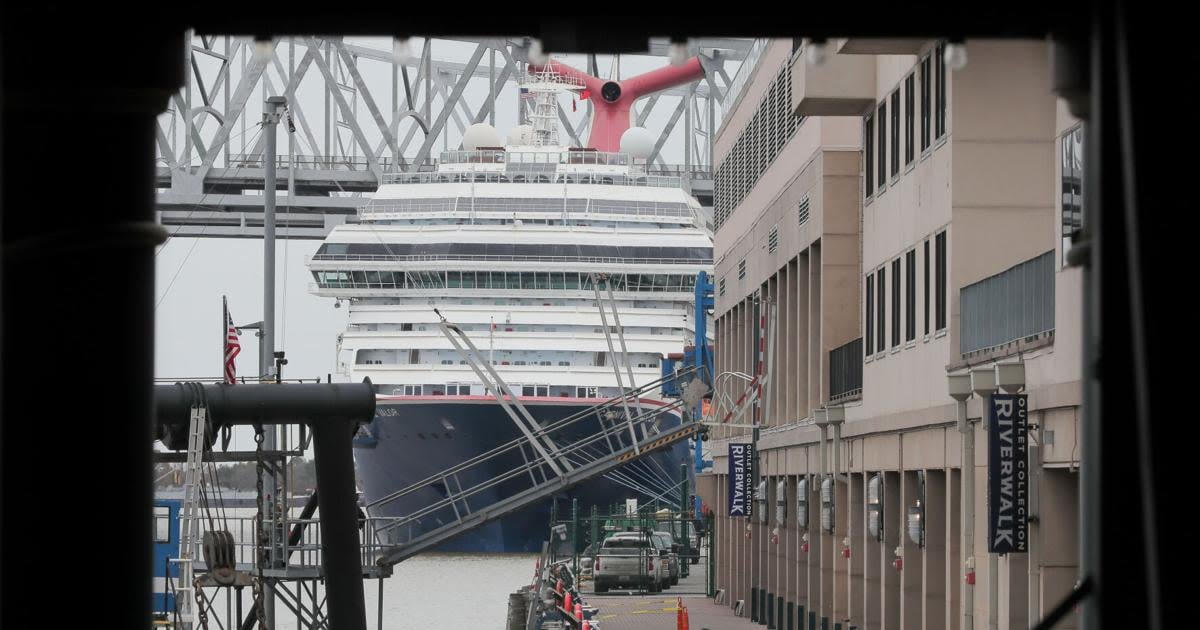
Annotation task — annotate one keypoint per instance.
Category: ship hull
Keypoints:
(414, 438)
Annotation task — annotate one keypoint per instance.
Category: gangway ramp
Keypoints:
(585, 445)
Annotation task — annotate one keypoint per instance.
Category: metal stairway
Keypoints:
(545, 460)
(189, 520)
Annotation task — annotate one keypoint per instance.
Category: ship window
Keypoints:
(162, 524)
(564, 363)
(543, 390)
(528, 390)
(447, 362)
(518, 363)
(543, 363)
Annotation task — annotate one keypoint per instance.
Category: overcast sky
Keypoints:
(192, 275)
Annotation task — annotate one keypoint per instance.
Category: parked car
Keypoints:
(586, 558)
(630, 561)
(696, 540)
(667, 541)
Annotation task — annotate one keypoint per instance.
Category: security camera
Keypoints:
(337, 304)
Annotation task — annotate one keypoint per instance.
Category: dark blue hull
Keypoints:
(413, 439)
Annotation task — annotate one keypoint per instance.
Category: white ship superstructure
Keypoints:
(504, 243)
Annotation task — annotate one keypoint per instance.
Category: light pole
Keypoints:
(983, 383)
(959, 387)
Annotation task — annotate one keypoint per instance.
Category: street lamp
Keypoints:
(802, 503)
(760, 500)
(875, 506)
(959, 388)
(916, 513)
(827, 504)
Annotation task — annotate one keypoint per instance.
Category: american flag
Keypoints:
(232, 346)
(526, 94)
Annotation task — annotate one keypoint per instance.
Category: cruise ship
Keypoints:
(502, 238)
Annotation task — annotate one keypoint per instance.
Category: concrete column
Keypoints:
(1014, 591)
(935, 565)
(793, 320)
(954, 557)
(1058, 538)
(812, 567)
(873, 566)
(817, 392)
(819, 358)
(857, 508)
(892, 498)
(803, 310)
(720, 559)
(841, 565)
(791, 540)
(777, 354)
(803, 557)
(911, 604)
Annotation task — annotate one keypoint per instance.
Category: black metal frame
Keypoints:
(1111, 60)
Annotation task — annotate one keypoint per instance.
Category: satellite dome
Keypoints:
(638, 142)
(521, 135)
(480, 135)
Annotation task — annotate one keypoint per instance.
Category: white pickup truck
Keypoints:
(630, 562)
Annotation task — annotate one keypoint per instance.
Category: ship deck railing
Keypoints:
(613, 260)
(531, 176)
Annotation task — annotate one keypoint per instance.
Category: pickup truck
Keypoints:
(629, 561)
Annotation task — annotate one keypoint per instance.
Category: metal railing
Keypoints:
(488, 486)
(534, 177)
(846, 371)
(580, 207)
(305, 554)
(325, 162)
(503, 258)
(743, 74)
(1012, 305)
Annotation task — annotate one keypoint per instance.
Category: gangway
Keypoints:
(587, 444)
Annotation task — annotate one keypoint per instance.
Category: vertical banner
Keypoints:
(1008, 474)
(741, 479)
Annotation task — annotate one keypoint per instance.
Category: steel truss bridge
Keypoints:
(359, 112)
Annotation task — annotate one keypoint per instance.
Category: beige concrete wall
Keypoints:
(993, 183)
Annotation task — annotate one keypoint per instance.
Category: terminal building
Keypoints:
(893, 226)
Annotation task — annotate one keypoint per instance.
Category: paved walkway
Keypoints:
(658, 612)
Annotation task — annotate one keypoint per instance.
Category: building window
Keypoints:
(773, 240)
(896, 132)
(926, 283)
(741, 269)
(880, 313)
(909, 118)
(910, 295)
(869, 155)
(1072, 188)
(870, 314)
(721, 286)
(926, 94)
(881, 120)
(940, 281)
(895, 302)
(940, 61)
(162, 524)
(802, 211)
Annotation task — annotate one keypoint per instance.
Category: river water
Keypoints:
(431, 590)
